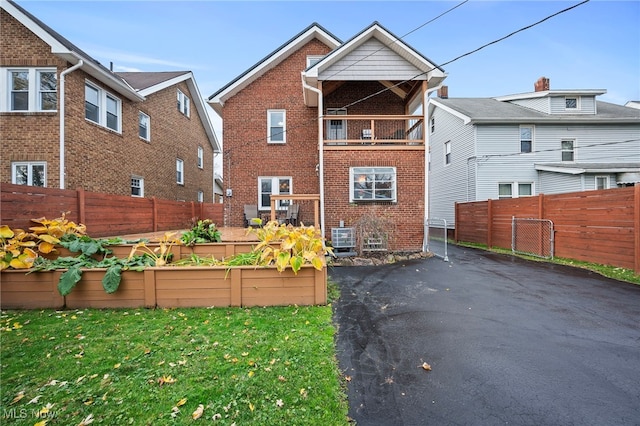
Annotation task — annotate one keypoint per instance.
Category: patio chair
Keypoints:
(293, 211)
(251, 217)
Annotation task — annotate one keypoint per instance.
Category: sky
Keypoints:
(593, 46)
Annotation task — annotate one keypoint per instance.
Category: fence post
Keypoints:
(154, 206)
(489, 224)
(636, 227)
(457, 221)
(541, 206)
(81, 205)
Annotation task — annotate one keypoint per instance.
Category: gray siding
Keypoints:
(371, 61)
(586, 105)
(557, 183)
(538, 104)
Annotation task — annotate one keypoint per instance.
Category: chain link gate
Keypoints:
(533, 237)
(435, 231)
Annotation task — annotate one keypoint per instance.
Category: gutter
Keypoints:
(320, 148)
(427, 140)
(61, 112)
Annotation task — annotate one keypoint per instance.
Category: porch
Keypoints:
(381, 131)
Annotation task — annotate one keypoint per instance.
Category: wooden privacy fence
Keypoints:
(593, 226)
(103, 214)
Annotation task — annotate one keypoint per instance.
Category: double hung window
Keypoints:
(526, 139)
(29, 89)
(447, 152)
(137, 187)
(184, 104)
(200, 157)
(144, 126)
(179, 171)
(277, 125)
(102, 107)
(568, 150)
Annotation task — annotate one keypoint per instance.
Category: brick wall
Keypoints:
(97, 158)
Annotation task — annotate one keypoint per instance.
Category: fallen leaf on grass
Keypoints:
(41, 423)
(35, 400)
(198, 413)
(279, 403)
(86, 421)
(18, 397)
(166, 380)
(181, 402)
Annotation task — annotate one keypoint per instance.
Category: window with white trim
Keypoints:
(602, 182)
(200, 157)
(29, 89)
(144, 126)
(179, 171)
(200, 197)
(526, 139)
(433, 124)
(184, 104)
(372, 184)
(101, 107)
(277, 126)
(273, 185)
(31, 173)
(313, 59)
(567, 147)
(137, 186)
(515, 189)
(447, 152)
(571, 103)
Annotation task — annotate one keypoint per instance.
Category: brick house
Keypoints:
(343, 120)
(68, 122)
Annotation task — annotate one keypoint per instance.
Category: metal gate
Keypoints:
(533, 237)
(435, 231)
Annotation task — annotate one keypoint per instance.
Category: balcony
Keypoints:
(373, 132)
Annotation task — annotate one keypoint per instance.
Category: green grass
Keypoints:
(620, 274)
(266, 366)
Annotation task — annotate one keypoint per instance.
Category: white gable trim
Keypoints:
(465, 118)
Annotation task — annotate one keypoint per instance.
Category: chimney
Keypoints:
(541, 85)
(443, 92)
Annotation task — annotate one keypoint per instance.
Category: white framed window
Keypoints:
(184, 104)
(567, 147)
(447, 152)
(505, 190)
(179, 171)
(526, 139)
(144, 126)
(602, 182)
(433, 124)
(137, 186)
(102, 107)
(200, 157)
(273, 185)
(372, 184)
(32, 173)
(29, 89)
(277, 126)
(571, 103)
(200, 197)
(313, 59)
(515, 189)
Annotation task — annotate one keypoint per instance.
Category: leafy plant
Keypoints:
(160, 255)
(16, 248)
(49, 232)
(204, 231)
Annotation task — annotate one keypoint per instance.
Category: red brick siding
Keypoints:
(97, 158)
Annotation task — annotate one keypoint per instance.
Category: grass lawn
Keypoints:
(266, 366)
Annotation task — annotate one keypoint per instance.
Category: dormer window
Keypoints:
(571, 103)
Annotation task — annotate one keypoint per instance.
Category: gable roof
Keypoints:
(494, 111)
(68, 51)
(313, 31)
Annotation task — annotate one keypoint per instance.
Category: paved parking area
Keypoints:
(509, 341)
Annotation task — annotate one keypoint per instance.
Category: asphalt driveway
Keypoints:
(509, 342)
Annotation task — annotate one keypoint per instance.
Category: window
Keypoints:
(102, 107)
(179, 171)
(200, 197)
(200, 157)
(506, 190)
(336, 129)
(433, 124)
(567, 147)
(29, 173)
(184, 104)
(29, 89)
(276, 185)
(313, 59)
(571, 103)
(602, 182)
(447, 152)
(277, 126)
(526, 139)
(525, 189)
(144, 126)
(372, 184)
(137, 187)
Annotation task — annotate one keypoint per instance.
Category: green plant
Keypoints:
(204, 231)
(162, 254)
(298, 246)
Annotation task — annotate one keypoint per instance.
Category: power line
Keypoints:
(575, 148)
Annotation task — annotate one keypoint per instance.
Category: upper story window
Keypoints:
(447, 152)
(526, 139)
(179, 171)
(137, 187)
(32, 173)
(571, 103)
(200, 157)
(144, 126)
(184, 104)
(313, 59)
(568, 150)
(433, 124)
(29, 89)
(277, 126)
(102, 107)
(372, 184)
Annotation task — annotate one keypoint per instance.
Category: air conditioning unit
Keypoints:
(343, 241)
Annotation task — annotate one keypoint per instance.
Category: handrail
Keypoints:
(299, 197)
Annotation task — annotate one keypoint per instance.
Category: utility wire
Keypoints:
(575, 149)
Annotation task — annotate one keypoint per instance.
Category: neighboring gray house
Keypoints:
(548, 141)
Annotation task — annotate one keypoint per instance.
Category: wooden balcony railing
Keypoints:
(368, 130)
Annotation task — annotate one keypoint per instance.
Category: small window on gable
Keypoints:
(32, 173)
(179, 171)
(137, 186)
(277, 126)
(571, 102)
(526, 139)
(184, 103)
(200, 157)
(144, 126)
(447, 152)
(313, 59)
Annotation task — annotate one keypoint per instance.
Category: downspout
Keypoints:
(427, 140)
(62, 75)
(320, 149)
